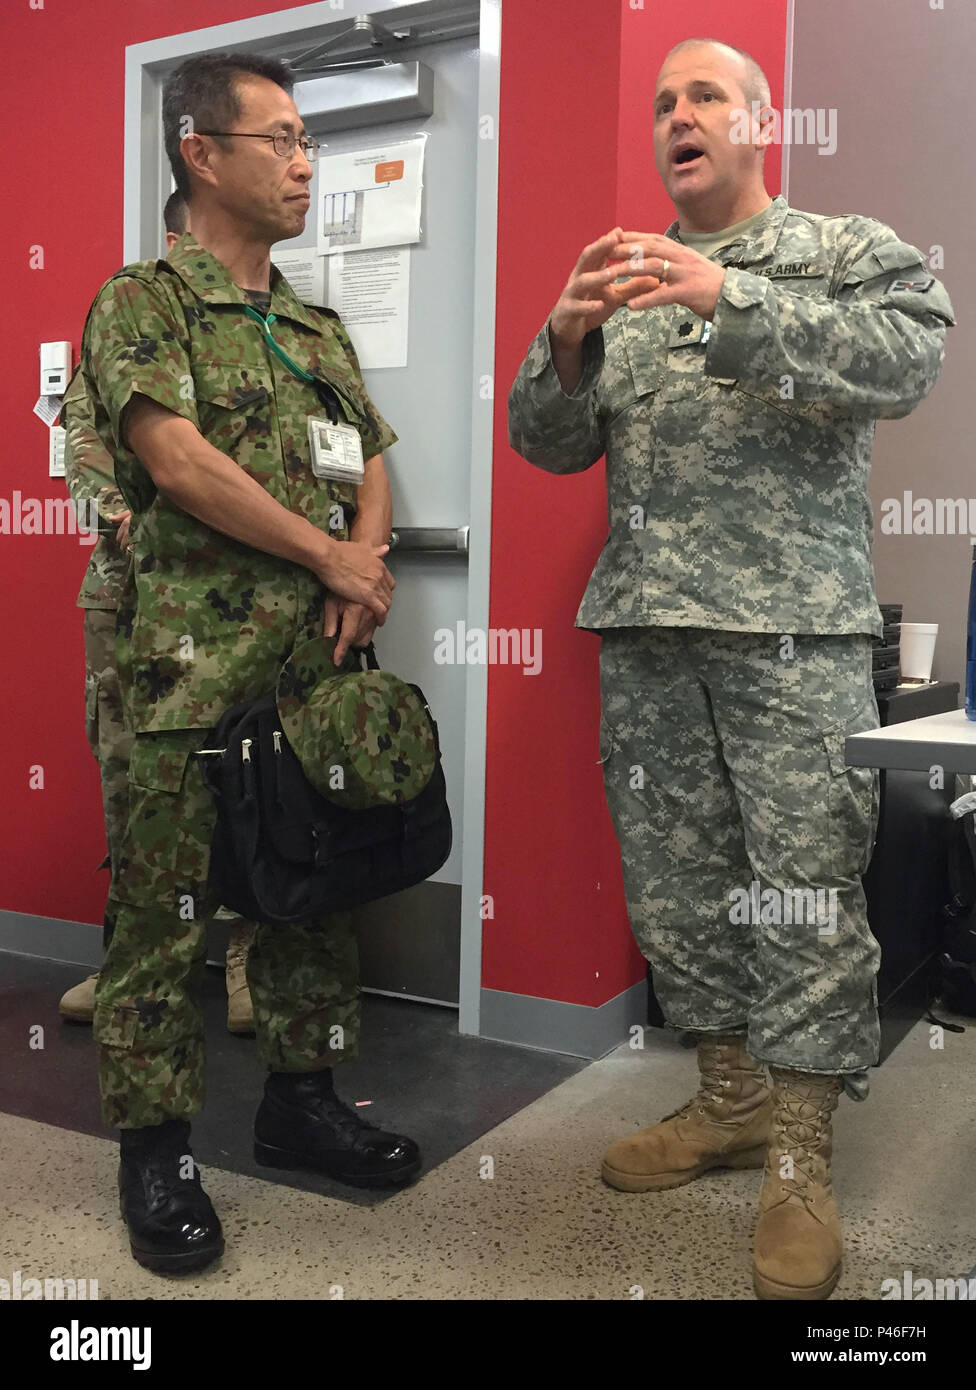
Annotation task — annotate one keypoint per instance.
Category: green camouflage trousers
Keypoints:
(303, 978)
(743, 835)
(104, 724)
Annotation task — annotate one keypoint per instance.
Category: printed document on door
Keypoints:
(370, 291)
(370, 198)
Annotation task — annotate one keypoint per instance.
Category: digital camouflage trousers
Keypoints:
(743, 835)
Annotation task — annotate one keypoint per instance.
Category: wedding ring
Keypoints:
(663, 277)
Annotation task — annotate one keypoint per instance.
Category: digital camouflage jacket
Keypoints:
(738, 452)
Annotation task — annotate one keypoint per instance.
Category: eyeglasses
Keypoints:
(283, 140)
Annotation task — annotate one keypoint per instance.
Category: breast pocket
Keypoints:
(634, 365)
(232, 401)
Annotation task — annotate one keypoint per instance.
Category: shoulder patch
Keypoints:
(920, 285)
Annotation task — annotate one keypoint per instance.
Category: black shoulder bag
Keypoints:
(282, 852)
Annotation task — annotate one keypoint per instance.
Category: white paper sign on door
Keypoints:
(370, 291)
(370, 198)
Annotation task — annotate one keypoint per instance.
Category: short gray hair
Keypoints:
(755, 84)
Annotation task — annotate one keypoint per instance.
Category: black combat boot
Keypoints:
(172, 1225)
(301, 1123)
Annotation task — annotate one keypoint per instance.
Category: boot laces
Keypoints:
(346, 1121)
(238, 946)
(800, 1126)
(710, 1091)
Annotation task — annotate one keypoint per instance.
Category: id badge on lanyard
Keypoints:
(336, 450)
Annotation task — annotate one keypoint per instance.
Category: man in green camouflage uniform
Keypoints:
(735, 399)
(90, 476)
(240, 553)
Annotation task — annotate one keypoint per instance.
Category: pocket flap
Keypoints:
(230, 385)
(645, 347)
(835, 738)
(158, 761)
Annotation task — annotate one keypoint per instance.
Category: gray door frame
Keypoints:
(147, 183)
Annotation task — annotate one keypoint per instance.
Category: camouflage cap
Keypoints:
(363, 738)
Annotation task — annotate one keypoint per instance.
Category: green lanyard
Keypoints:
(327, 394)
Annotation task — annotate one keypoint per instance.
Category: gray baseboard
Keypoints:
(409, 943)
(549, 1025)
(79, 943)
(553, 1026)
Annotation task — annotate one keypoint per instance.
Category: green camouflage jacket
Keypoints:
(738, 452)
(89, 471)
(206, 621)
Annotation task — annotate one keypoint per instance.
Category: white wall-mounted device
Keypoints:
(55, 368)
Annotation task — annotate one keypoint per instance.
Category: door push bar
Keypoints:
(451, 540)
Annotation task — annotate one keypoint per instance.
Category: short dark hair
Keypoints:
(205, 90)
(175, 214)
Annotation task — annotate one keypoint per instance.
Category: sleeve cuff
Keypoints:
(383, 441)
(732, 321)
(539, 362)
(121, 398)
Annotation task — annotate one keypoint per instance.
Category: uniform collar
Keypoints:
(207, 277)
(758, 243)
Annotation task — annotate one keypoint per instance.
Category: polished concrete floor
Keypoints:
(517, 1211)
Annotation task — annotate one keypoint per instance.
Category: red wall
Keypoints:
(576, 158)
(551, 862)
(64, 73)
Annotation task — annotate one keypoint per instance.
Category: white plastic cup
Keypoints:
(918, 650)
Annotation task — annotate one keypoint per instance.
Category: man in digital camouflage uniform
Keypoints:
(735, 398)
(240, 553)
(90, 476)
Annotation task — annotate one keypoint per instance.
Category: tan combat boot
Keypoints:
(78, 1003)
(726, 1125)
(240, 1015)
(799, 1245)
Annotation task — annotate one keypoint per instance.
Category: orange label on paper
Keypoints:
(389, 172)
